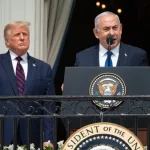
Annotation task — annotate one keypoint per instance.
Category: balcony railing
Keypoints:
(133, 112)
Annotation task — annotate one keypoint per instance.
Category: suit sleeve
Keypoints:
(50, 106)
(144, 60)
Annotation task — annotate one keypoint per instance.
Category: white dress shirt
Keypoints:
(23, 62)
(103, 55)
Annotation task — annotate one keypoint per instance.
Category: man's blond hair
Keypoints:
(9, 26)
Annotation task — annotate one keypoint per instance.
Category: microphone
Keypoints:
(109, 40)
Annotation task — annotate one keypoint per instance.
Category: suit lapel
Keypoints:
(7, 64)
(31, 72)
(123, 56)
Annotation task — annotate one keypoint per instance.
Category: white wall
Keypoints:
(27, 10)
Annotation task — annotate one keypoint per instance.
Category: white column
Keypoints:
(25, 10)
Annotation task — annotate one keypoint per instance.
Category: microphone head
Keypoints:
(109, 39)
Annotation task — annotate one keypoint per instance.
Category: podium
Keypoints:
(134, 80)
(78, 79)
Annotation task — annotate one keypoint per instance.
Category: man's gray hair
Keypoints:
(98, 17)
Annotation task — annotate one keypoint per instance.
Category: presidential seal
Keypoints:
(107, 84)
(103, 136)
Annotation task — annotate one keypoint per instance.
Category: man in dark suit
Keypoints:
(21, 75)
(108, 23)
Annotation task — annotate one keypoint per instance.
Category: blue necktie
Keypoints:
(20, 77)
(108, 62)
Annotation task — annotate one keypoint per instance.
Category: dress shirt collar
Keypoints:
(13, 56)
(102, 50)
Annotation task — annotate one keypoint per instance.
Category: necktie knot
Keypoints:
(18, 58)
(109, 53)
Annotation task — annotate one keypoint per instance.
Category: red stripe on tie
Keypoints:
(20, 77)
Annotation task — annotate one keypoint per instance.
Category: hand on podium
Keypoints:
(62, 87)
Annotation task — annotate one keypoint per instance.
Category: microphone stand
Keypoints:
(109, 41)
(109, 48)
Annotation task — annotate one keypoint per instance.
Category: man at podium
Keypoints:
(88, 78)
(110, 51)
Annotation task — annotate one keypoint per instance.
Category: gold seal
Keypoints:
(103, 136)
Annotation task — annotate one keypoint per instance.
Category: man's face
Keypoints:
(108, 24)
(17, 40)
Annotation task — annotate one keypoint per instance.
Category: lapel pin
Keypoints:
(34, 65)
(125, 54)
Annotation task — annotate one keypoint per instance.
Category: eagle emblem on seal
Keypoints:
(107, 84)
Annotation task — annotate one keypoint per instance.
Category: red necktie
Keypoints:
(20, 77)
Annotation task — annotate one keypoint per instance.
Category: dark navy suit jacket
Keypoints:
(128, 56)
(39, 82)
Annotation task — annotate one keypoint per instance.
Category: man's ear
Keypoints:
(121, 28)
(6, 41)
(95, 33)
